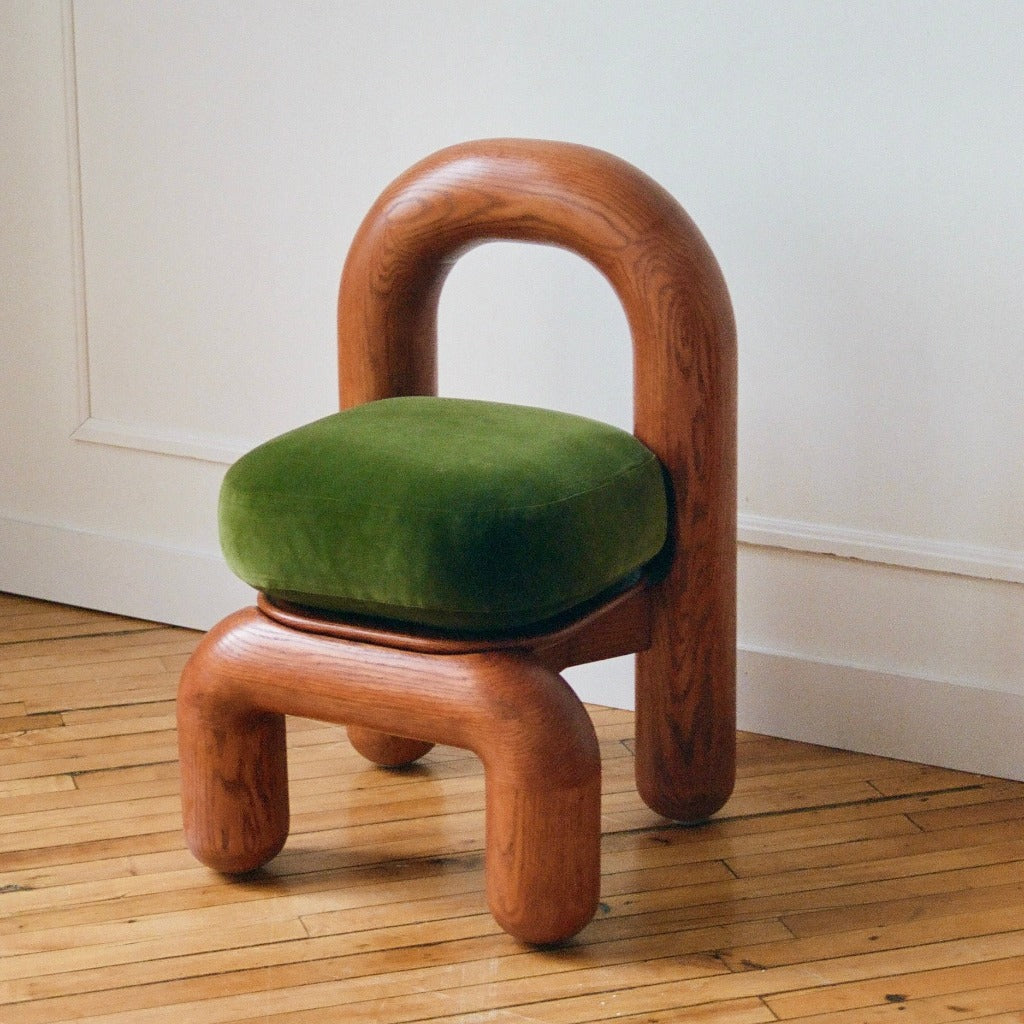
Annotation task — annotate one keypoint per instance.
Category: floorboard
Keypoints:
(833, 887)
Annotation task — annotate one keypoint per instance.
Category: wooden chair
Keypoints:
(401, 689)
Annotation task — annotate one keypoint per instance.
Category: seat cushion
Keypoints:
(464, 515)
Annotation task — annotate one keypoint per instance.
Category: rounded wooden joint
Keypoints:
(540, 753)
(556, 193)
(385, 750)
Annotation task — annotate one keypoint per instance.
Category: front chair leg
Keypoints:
(234, 772)
(543, 857)
(542, 769)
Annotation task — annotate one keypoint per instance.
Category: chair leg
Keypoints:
(234, 776)
(386, 750)
(542, 769)
(686, 715)
(543, 857)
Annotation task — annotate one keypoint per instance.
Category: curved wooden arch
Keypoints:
(684, 374)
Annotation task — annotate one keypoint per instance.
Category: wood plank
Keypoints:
(97, 648)
(921, 778)
(941, 928)
(731, 1011)
(954, 1006)
(912, 909)
(242, 968)
(830, 882)
(42, 679)
(15, 789)
(897, 991)
(28, 628)
(511, 981)
(27, 724)
(961, 817)
(666, 833)
(673, 996)
(869, 850)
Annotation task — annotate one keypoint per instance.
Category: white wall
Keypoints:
(180, 182)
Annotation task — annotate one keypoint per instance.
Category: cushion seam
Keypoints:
(570, 600)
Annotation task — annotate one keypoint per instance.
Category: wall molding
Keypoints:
(90, 428)
(124, 575)
(76, 215)
(162, 441)
(883, 548)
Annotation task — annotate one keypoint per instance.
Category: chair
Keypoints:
(401, 684)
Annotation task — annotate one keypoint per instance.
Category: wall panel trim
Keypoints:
(909, 552)
(74, 157)
(117, 434)
(161, 441)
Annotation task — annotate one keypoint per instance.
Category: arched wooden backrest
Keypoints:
(684, 373)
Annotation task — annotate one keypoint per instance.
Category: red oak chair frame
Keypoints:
(399, 693)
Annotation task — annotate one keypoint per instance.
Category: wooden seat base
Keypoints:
(502, 699)
(538, 747)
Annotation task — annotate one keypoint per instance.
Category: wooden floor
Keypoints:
(833, 887)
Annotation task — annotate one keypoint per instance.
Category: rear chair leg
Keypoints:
(384, 750)
(686, 720)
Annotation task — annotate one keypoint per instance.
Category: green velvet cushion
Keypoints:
(469, 516)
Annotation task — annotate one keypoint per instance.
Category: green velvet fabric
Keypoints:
(464, 515)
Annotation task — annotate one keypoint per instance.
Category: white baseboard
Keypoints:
(927, 721)
(923, 720)
(117, 574)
